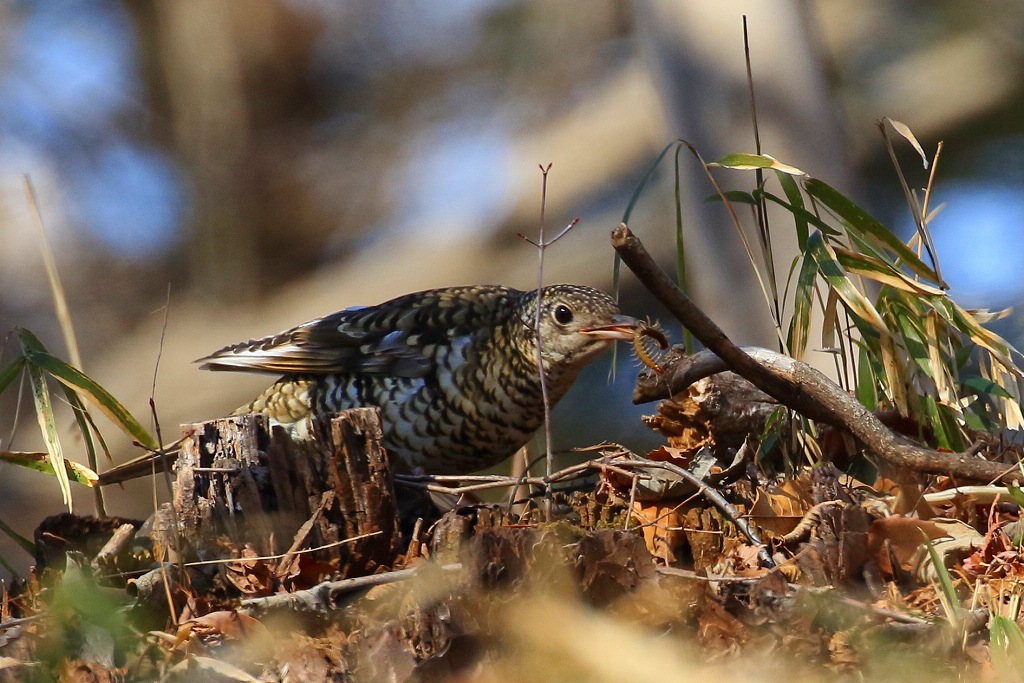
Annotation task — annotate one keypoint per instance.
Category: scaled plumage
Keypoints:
(454, 370)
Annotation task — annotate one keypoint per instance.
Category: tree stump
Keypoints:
(238, 485)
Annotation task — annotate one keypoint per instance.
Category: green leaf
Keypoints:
(880, 271)
(735, 196)
(1006, 642)
(1017, 495)
(749, 162)
(800, 323)
(97, 395)
(40, 462)
(855, 301)
(643, 181)
(800, 214)
(8, 374)
(796, 201)
(982, 386)
(25, 544)
(859, 220)
(945, 581)
(867, 380)
(48, 428)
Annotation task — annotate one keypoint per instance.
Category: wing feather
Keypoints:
(397, 338)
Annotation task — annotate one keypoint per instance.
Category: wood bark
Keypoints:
(239, 485)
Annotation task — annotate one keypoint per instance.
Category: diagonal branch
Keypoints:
(794, 384)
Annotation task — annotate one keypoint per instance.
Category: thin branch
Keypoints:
(320, 597)
(794, 384)
(541, 245)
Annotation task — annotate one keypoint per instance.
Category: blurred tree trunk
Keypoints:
(209, 116)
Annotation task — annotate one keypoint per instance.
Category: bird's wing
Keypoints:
(397, 338)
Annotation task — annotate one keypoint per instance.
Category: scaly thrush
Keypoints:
(454, 371)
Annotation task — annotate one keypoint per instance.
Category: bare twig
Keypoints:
(541, 244)
(320, 597)
(113, 546)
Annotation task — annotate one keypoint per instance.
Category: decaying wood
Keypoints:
(717, 411)
(292, 494)
(794, 384)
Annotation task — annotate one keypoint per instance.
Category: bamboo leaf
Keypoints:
(904, 130)
(48, 428)
(25, 544)
(859, 220)
(97, 395)
(984, 387)
(880, 271)
(830, 322)
(735, 196)
(801, 214)
(12, 370)
(867, 380)
(856, 302)
(964, 322)
(41, 463)
(800, 322)
(749, 162)
(894, 379)
(948, 591)
(796, 200)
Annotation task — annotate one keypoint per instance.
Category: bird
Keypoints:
(455, 372)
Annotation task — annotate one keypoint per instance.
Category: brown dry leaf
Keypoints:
(719, 631)
(251, 576)
(740, 560)
(612, 563)
(904, 536)
(662, 527)
(779, 509)
(224, 623)
(77, 671)
(958, 541)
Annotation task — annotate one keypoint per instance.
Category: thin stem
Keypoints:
(548, 457)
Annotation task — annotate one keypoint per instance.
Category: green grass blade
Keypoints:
(25, 544)
(681, 246)
(643, 181)
(12, 370)
(946, 586)
(1006, 643)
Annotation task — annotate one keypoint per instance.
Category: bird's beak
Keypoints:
(620, 327)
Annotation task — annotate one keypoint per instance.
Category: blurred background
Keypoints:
(237, 168)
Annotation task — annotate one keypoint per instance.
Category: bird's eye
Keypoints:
(563, 314)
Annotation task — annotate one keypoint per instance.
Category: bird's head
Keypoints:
(576, 324)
